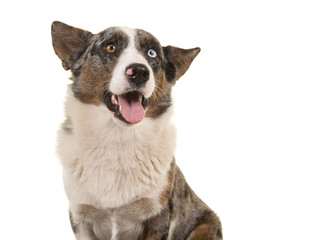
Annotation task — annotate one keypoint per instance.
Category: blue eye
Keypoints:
(152, 53)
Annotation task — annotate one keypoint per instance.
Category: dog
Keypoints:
(117, 143)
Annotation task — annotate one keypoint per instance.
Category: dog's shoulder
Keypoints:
(184, 215)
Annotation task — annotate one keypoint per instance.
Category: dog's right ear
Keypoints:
(178, 61)
(69, 42)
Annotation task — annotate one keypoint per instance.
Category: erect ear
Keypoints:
(69, 42)
(178, 61)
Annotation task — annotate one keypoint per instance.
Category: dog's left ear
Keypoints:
(178, 61)
(69, 42)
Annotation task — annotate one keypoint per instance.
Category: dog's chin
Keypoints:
(127, 109)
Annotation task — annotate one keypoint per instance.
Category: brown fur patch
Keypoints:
(203, 231)
(169, 188)
(160, 97)
(92, 82)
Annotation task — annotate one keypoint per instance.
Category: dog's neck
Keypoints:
(136, 159)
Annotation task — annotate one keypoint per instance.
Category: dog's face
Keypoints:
(127, 70)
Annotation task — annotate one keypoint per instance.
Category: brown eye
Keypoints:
(110, 48)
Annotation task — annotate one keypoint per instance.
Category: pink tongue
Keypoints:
(131, 109)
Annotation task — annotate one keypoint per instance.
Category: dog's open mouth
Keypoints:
(129, 107)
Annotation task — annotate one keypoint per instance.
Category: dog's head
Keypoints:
(125, 69)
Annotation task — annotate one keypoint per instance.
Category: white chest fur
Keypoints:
(107, 165)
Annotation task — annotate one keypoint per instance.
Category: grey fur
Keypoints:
(67, 126)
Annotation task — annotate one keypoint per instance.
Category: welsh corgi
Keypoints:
(117, 143)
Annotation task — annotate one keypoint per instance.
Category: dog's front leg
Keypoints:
(89, 223)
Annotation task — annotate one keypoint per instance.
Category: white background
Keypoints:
(255, 113)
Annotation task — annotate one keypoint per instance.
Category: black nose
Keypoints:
(137, 74)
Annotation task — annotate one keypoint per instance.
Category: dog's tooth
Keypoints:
(114, 99)
(120, 108)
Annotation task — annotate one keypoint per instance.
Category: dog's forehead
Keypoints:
(133, 35)
(129, 32)
(138, 35)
